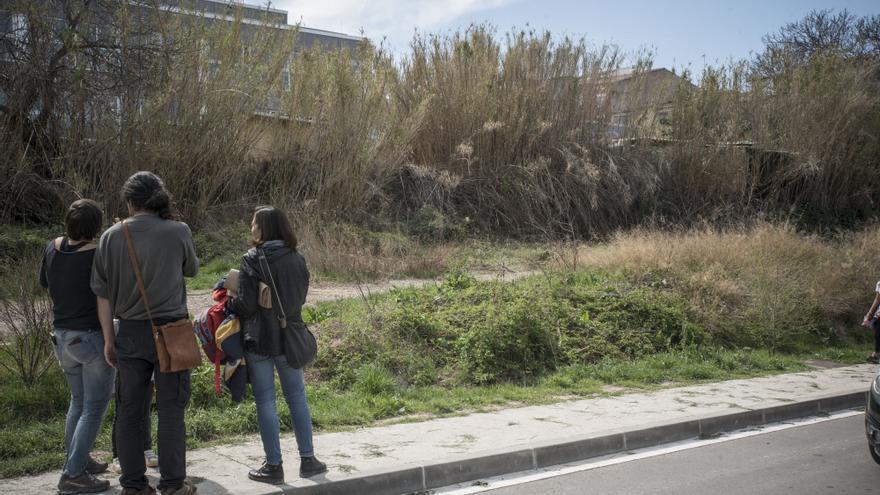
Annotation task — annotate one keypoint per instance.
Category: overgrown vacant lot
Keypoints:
(647, 309)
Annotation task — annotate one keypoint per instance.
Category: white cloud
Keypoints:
(394, 19)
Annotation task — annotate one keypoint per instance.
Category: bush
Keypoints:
(761, 286)
(468, 331)
(25, 325)
(19, 243)
(510, 338)
(432, 225)
(374, 379)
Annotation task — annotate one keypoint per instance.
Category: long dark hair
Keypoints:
(146, 191)
(272, 225)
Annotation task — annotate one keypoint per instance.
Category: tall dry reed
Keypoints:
(511, 134)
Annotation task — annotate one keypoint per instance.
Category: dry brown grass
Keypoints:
(342, 252)
(755, 279)
(508, 132)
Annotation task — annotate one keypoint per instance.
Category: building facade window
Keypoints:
(285, 79)
(19, 27)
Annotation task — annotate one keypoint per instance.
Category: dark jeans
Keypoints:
(146, 424)
(137, 362)
(875, 323)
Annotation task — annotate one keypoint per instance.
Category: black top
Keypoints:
(291, 275)
(66, 272)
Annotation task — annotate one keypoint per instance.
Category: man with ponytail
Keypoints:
(166, 254)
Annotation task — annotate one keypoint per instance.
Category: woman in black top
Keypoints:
(264, 352)
(79, 344)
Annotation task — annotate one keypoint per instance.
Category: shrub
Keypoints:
(432, 225)
(508, 339)
(25, 325)
(467, 331)
(765, 285)
(374, 379)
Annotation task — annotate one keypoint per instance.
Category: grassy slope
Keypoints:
(31, 419)
(408, 353)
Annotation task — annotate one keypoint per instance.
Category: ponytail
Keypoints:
(146, 191)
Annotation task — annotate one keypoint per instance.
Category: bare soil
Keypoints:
(200, 300)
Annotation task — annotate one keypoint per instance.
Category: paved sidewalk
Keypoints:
(517, 438)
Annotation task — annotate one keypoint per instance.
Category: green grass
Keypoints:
(457, 346)
(32, 421)
(212, 271)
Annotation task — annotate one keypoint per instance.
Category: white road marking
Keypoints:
(628, 456)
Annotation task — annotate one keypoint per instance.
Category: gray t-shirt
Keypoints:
(166, 254)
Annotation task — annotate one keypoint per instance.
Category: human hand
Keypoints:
(110, 353)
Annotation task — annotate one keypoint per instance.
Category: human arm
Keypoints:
(105, 316)
(190, 258)
(871, 312)
(43, 274)
(100, 287)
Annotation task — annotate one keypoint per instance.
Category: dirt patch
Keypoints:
(200, 300)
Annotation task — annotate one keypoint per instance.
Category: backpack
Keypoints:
(206, 325)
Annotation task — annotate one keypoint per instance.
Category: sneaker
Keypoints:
(151, 458)
(873, 359)
(185, 489)
(115, 466)
(84, 483)
(149, 490)
(269, 473)
(95, 467)
(311, 466)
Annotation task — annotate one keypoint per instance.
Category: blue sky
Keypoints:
(682, 33)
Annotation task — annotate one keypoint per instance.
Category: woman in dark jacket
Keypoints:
(264, 352)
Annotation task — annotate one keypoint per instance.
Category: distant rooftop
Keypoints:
(627, 72)
(251, 14)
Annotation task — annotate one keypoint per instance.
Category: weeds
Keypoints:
(762, 286)
(26, 313)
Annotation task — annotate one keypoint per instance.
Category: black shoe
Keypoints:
(185, 489)
(269, 473)
(96, 467)
(84, 483)
(873, 359)
(311, 466)
(149, 490)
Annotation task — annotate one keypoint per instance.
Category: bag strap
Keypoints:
(59, 242)
(135, 266)
(277, 298)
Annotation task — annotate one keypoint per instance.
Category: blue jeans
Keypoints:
(81, 356)
(261, 373)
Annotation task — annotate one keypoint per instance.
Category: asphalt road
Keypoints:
(824, 458)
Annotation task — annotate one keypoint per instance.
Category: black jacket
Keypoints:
(291, 275)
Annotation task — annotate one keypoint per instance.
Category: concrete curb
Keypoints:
(450, 471)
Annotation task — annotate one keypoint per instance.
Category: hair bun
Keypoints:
(146, 190)
(158, 200)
